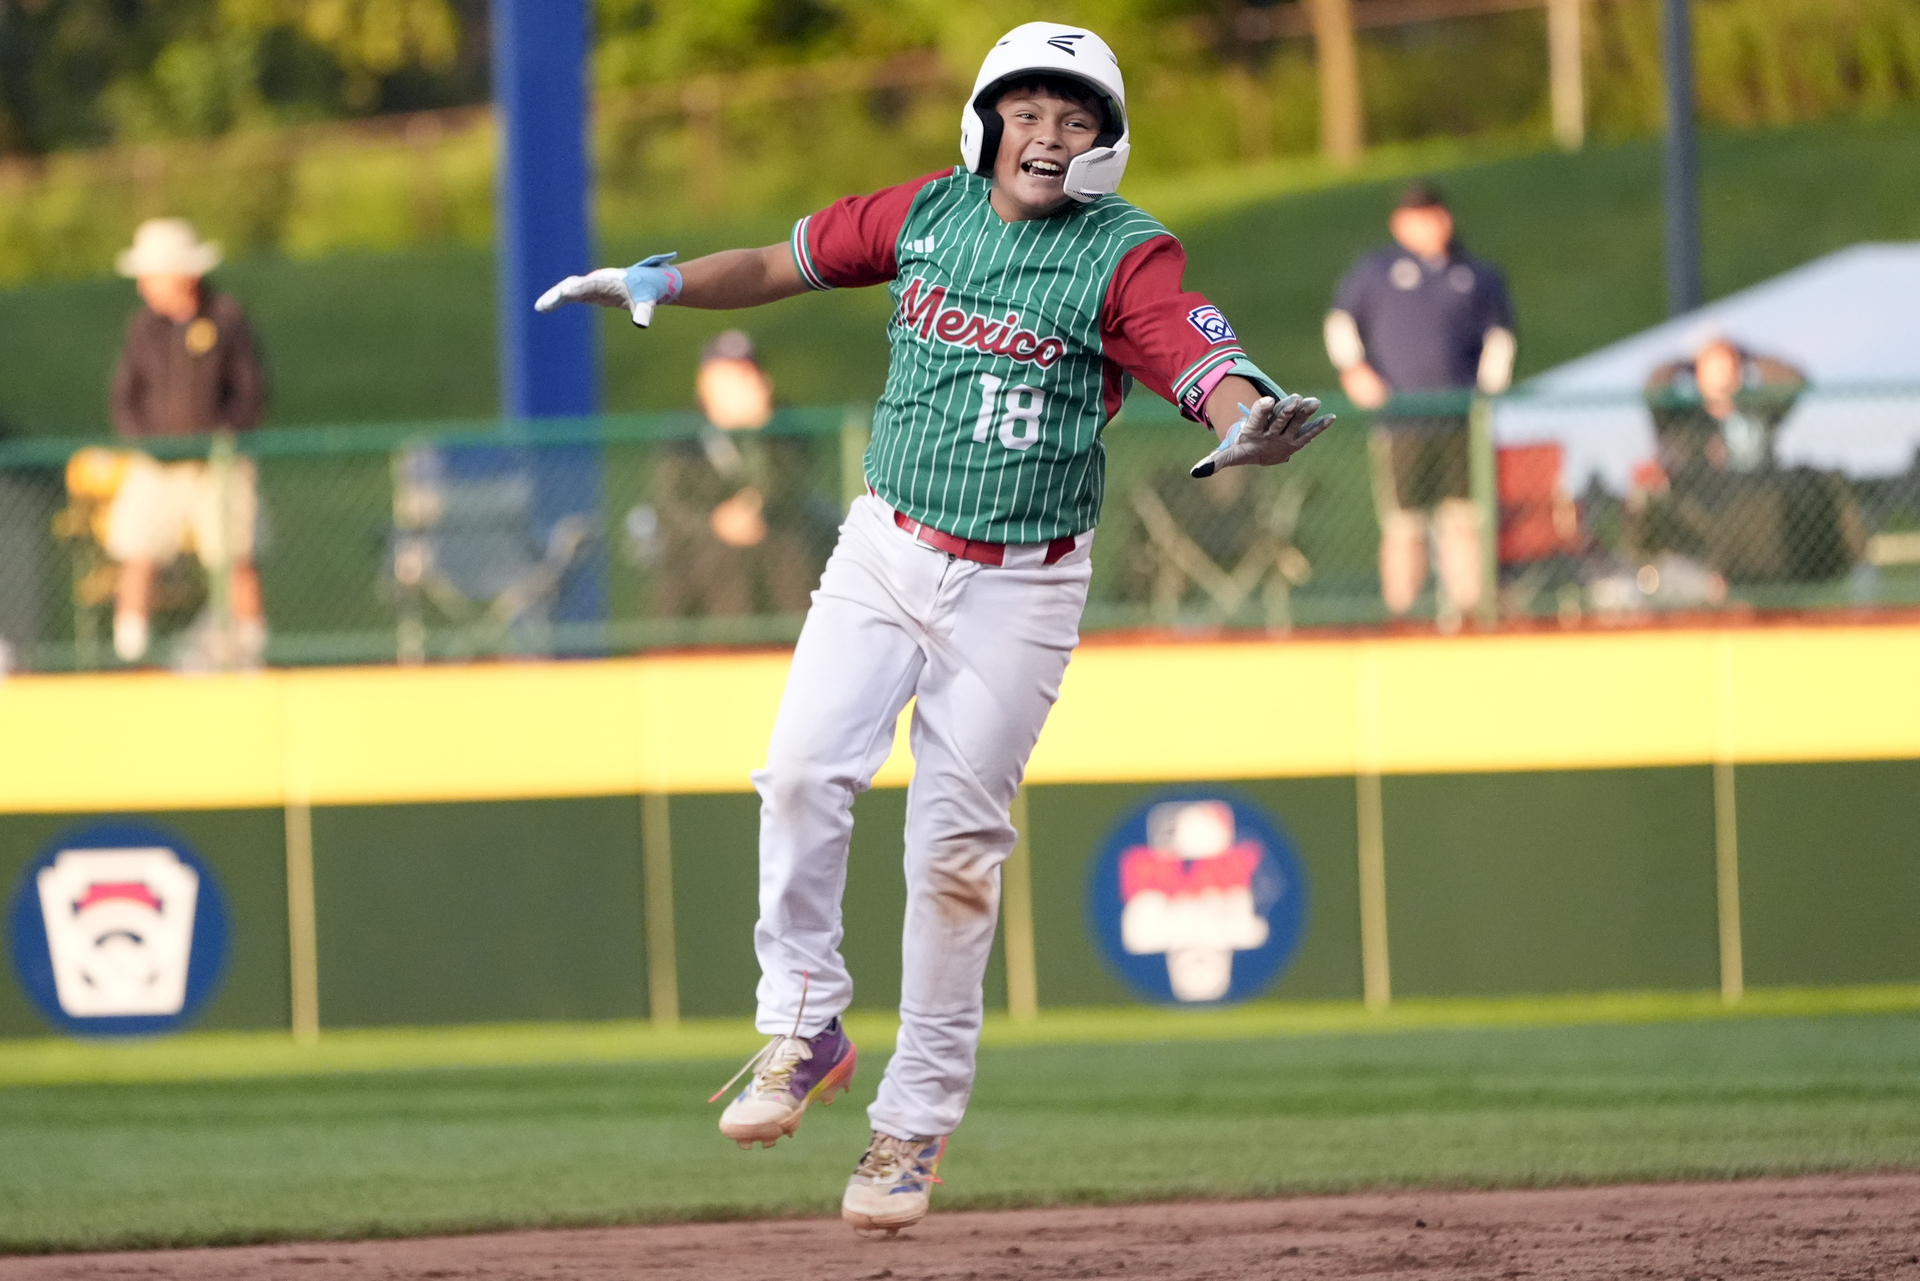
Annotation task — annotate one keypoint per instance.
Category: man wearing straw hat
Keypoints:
(189, 367)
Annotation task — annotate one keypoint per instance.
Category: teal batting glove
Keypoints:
(640, 288)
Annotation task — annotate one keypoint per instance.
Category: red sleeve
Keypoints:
(1172, 340)
(852, 242)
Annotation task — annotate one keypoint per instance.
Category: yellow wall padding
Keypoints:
(1156, 712)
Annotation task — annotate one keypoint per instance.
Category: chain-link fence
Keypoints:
(1807, 499)
(612, 535)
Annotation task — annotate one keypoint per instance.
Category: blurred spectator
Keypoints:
(733, 519)
(1722, 409)
(189, 366)
(1423, 316)
(1715, 494)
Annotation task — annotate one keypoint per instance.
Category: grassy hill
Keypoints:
(410, 336)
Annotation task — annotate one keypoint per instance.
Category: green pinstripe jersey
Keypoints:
(1001, 379)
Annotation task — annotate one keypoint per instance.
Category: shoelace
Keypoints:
(772, 1067)
(888, 1158)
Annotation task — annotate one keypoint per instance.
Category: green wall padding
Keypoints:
(1496, 883)
(1830, 872)
(480, 912)
(716, 878)
(1579, 880)
(247, 851)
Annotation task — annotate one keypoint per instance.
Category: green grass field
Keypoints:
(410, 336)
(1061, 1114)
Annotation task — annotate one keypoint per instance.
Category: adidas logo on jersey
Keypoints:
(924, 245)
(921, 311)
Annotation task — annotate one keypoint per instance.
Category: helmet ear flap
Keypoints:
(991, 127)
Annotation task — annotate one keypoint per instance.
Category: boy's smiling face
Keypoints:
(1040, 134)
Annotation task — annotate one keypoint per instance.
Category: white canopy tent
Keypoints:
(1850, 321)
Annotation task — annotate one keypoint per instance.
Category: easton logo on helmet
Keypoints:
(1064, 42)
(921, 311)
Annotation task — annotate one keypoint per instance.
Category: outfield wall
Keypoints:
(1555, 813)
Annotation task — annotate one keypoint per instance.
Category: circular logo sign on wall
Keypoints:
(1197, 898)
(118, 929)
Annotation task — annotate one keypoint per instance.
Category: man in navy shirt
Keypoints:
(1422, 316)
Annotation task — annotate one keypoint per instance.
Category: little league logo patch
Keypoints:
(1197, 898)
(1212, 325)
(118, 929)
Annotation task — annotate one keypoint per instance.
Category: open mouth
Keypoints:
(1042, 168)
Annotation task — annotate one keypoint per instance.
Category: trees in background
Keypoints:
(80, 73)
(1757, 62)
(308, 126)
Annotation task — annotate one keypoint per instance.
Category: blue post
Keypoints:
(548, 363)
(1685, 290)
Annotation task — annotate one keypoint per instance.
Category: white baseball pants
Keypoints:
(981, 650)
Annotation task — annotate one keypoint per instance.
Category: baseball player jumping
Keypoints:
(1028, 298)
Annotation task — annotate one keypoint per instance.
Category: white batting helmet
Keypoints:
(1047, 48)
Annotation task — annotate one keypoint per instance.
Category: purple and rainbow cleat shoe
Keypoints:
(892, 1184)
(789, 1074)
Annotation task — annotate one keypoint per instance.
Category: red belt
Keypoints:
(972, 548)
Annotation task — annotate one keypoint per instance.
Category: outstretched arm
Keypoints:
(718, 282)
(740, 278)
(848, 244)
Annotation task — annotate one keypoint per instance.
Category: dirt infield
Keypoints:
(1806, 1229)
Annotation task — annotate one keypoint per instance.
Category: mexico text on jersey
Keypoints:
(1012, 345)
(922, 313)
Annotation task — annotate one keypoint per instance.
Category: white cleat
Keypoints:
(890, 1187)
(789, 1074)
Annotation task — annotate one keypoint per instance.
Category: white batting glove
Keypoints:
(640, 288)
(1270, 432)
